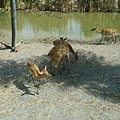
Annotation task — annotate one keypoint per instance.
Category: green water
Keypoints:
(32, 26)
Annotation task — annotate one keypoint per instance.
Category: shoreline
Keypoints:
(49, 40)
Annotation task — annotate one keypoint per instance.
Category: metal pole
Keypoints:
(13, 21)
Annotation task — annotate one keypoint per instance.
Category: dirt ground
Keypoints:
(90, 92)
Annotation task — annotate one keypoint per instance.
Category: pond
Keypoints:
(31, 26)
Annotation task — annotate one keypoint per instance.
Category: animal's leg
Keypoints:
(29, 78)
(58, 70)
(115, 38)
(37, 85)
(37, 91)
(56, 65)
(68, 64)
(50, 66)
(101, 39)
(111, 40)
(63, 59)
(107, 39)
(76, 56)
(33, 80)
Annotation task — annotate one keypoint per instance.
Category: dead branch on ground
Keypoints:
(13, 49)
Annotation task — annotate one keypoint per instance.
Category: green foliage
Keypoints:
(53, 5)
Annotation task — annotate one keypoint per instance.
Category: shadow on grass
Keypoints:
(90, 73)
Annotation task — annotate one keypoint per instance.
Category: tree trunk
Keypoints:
(116, 4)
(47, 4)
(2, 3)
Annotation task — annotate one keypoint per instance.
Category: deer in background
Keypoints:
(36, 73)
(62, 41)
(106, 32)
(57, 53)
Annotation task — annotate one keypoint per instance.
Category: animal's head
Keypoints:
(30, 63)
(45, 73)
(59, 41)
(94, 29)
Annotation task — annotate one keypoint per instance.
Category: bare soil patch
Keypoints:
(90, 92)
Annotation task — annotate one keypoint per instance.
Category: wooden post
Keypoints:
(13, 23)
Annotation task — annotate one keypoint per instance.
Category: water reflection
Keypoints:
(72, 25)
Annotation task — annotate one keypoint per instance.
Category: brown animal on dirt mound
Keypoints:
(62, 41)
(57, 53)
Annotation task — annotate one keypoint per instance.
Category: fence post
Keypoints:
(13, 22)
